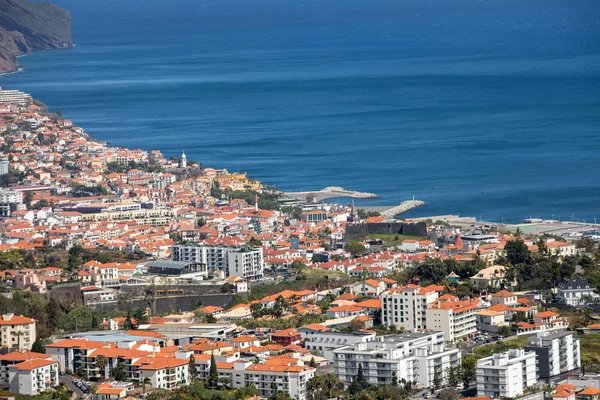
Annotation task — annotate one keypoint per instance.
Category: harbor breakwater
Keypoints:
(355, 231)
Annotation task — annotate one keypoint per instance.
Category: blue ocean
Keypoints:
(486, 108)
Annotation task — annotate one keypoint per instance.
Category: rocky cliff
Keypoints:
(27, 26)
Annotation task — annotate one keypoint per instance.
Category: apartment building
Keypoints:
(244, 262)
(14, 96)
(16, 357)
(17, 332)
(456, 318)
(325, 342)
(268, 379)
(506, 374)
(557, 352)
(405, 306)
(33, 376)
(288, 375)
(10, 201)
(164, 372)
(69, 352)
(412, 356)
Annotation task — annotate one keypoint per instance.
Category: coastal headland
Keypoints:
(28, 26)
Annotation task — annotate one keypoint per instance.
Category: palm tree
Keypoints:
(18, 335)
(145, 381)
(101, 365)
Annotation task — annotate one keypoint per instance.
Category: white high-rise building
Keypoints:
(405, 306)
(557, 352)
(506, 374)
(413, 356)
(244, 262)
(14, 96)
(10, 200)
(4, 164)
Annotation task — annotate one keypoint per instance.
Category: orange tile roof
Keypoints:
(22, 356)
(504, 293)
(590, 391)
(33, 364)
(76, 343)
(245, 338)
(371, 303)
(285, 333)
(155, 364)
(316, 327)
(16, 320)
(500, 307)
(110, 390)
(546, 314)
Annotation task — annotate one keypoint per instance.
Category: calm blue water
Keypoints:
(486, 108)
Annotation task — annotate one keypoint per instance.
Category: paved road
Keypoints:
(68, 380)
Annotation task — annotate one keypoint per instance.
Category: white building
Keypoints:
(405, 306)
(14, 96)
(476, 238)
(415, 356)
(4, 165)
(557, 352)
(490, 320)
(33, 376)
(506, 374)
(291, 377)
(325, 342)
(165, 373)
(456, 318)
(10, 200)
(244, 262)
(505, 298)
(574, 292)
(488, 277)
(17, 332)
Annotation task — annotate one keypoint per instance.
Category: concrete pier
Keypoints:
(330, 192)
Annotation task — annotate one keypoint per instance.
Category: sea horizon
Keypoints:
(495, 117)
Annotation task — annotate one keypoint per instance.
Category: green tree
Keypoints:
(118, 372)
(355, 248)
(359, 383)
(437, 379)
(94, 321)
(452, 377)
(101, 363)
(145, 382)
(394, 378)
(213, 375)
(505, 331)
(323, 387)
(297, 266)
(313, 363)
(192, 369)
(467, 370)
(517, 252)
(38, 346)
(53, 310)
(586, 243)
(449, 394)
